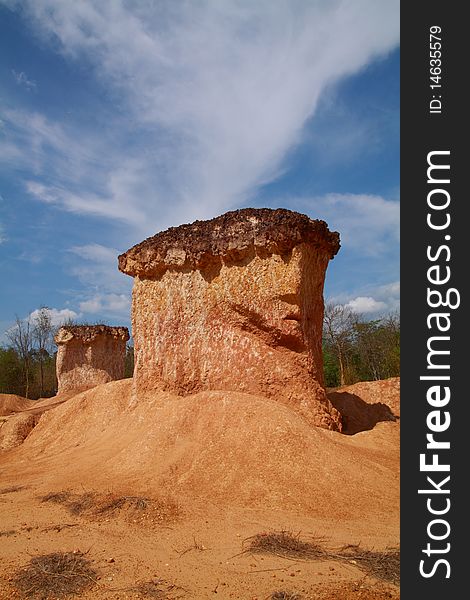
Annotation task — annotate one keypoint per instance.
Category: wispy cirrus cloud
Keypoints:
(22, 79)
(367, 224)
(96, 267)
(213, 96)
(106, 291)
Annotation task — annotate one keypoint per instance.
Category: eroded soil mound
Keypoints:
(165, 497)
(16, 429)
(42, 404)
(220, 447)
(11, 403)
(364, 404)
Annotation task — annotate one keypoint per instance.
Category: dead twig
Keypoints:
(59, 527)
(195, 546)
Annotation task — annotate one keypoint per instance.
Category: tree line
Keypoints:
(358, 350)
(353, 350)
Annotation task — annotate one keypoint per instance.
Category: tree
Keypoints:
(43, 336)
(330, 367)
(11, 372)
(21, 338)
(338, 323)
(355, 349)
(377, 348)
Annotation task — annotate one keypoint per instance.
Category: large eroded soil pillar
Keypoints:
(89, 355)
(234, 303)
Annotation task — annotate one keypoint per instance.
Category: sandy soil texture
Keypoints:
(163, 496)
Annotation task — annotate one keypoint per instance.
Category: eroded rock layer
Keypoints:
(236, 304)
(89, 355)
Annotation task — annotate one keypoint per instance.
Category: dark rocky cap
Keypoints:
(87, 333)
(228, 238)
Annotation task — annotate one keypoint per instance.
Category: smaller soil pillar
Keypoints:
(89, 355)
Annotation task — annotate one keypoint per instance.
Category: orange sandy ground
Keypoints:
(226, 466)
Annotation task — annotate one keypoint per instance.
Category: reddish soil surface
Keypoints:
(166, 492)
(11, 403)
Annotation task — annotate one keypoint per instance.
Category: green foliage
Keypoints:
(376, 349)
(42, 381)
(11, 372)
(330, 367)
(27, 366)
(360, 350)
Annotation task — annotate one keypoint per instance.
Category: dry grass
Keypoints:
(59, 527)
(283, 595)
(56, 497)
(112, 503)
(11, 489)
(136, 508)
(56, 575)
(288, 545)
(80, 503)
(384, 566)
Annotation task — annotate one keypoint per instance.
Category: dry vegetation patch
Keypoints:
(287, 544)
(56, 497)
(11, 489)
(138, 509)
(283, 595)
(384, 566)
(56, 575)
(381, 565)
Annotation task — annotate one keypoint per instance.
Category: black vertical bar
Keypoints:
(422, 132)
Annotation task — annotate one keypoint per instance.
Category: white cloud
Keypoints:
(107, 290)
(115, 208)
(365, 304)
(96, 267)
(212, 96)
(369, 224)
(93, 305)
(378, 299)
(64, 152)
(58, 316)
(96, 253)
(389, 290)
(103, 304)
(23, 80)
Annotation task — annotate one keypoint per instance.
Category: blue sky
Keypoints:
(120, 119)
